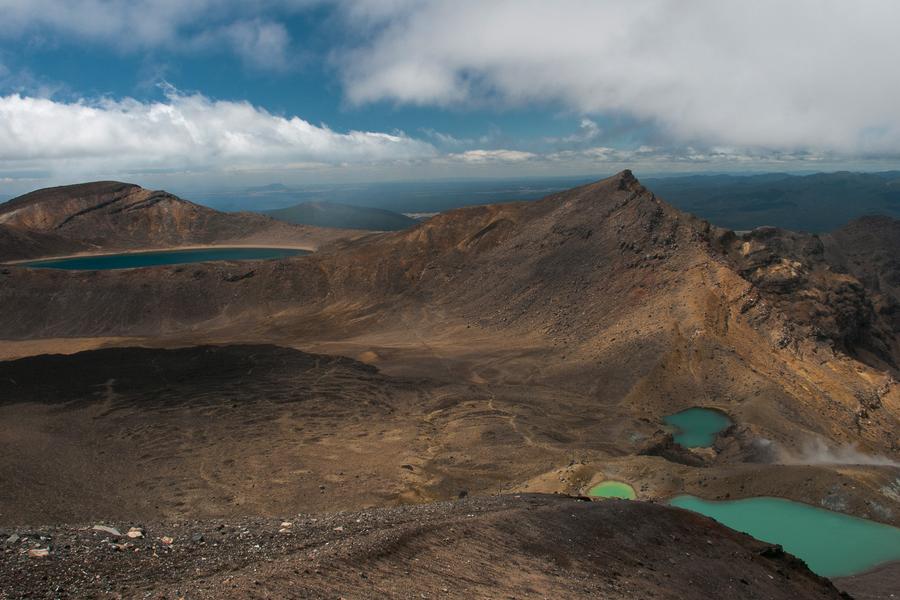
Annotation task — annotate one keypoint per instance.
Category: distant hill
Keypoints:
(111, 215)
(343, 216)
(398, 196)
(814, 203)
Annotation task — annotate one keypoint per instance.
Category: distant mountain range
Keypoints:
(814, 203)
(397, 196)
(342, 216)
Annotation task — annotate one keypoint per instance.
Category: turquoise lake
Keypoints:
(697, 427)
(832, 544)
(135, 260)
(613, 489)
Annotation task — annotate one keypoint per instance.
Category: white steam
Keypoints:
(818, 452)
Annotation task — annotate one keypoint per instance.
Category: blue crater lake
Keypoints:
(133, 260)
(697, 427)
(832, 544)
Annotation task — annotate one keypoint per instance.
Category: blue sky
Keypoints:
(222, 92)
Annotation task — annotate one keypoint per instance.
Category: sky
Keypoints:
(232, 93)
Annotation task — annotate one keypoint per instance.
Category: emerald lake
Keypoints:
(832, 544)
(697, 427)
(613, 489)
(134, 260)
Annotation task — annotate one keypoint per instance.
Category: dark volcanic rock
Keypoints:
(482, 547)
(662, 444)
(793, 271)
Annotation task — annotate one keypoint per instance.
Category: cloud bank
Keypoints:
(183, 132)
(806, 74)
(658, 84)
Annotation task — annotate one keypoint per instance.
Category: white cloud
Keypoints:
(805, 74)
(176, 25)
(445, 139)
(588, 130)
(130, 23)
(191, 135)
(490, 156)
(259, 44)
(708, 82)
(666, 158)
(184, 132)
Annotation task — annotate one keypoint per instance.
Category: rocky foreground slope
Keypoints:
(110, 215)
(524, 546)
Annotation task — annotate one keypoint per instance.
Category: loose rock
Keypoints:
(110, 530)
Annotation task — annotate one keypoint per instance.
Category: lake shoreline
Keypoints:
(743, 515)
(25, 261)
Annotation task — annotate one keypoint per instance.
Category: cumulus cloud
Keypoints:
(588, 130)
(800, 75)
(183, 132)
(179, 25)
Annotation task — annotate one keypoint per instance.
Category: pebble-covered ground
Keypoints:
(486, 547)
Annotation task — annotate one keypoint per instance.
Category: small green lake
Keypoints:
(832, 544)
(697, 427)
(613, 489)
(133, 260)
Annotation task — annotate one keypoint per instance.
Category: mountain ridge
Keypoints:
(112, 215)
(607, 279)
